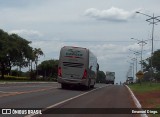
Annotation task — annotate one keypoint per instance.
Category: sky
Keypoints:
(103, 26)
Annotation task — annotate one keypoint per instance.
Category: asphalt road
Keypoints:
(50, 96)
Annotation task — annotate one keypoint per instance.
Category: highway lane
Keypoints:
(43, 95)
(111, 97)
(34, 95)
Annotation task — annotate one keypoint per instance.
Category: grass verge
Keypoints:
(145, 87)
(148, 95)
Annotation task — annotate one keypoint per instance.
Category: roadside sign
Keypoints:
(139, 74)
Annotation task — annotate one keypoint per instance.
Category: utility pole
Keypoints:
(141, 43)
(152, 20)
(136, 53)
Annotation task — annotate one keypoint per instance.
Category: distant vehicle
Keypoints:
(77, 66)
(110, 77)
(130, 80)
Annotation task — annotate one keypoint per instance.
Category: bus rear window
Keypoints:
(73, 53)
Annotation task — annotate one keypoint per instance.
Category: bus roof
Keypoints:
(73, 47)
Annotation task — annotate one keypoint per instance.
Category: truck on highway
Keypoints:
(110, 77)
(77, 66)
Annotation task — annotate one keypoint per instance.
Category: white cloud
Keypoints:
(112, 14)
(29, 34)
(26, 32)
(113, 52)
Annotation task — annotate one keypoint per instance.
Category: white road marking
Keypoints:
(136, 101)
(64, 101)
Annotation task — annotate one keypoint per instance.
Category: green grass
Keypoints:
(145, 87)
(158, 106)
(15, 77)
(156, 115)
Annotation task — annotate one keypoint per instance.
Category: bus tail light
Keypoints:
(60, 71)
(84, 74)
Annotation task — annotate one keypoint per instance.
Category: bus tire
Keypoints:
(89, 85)
(92, 86)
(63, 86)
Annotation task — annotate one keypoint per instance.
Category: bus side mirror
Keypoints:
(90, 67)
(97, 67)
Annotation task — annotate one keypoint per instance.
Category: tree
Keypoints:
(155, 65)
(14, 51)
(146, 64)
(34, 58)
(156, 60)
(37, 52)
(48, 68)
(101, 77)
(4, 52)
(20, 51)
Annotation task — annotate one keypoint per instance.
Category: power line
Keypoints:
(154, 20)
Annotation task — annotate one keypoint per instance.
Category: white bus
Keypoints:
(77, 66)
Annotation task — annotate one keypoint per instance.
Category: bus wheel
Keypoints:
(89, 85)
(63, 86)
(92, 86)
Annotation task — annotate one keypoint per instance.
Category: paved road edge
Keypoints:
(137, 103)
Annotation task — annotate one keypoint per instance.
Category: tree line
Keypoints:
(16, 51)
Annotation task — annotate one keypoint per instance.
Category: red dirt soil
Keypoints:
(149, 99)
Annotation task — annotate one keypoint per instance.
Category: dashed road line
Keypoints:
(64, 101)
(7, 92)
(25, 92)
(28, 83)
